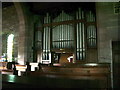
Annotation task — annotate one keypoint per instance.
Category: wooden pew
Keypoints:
(26, 68)
(10, 72)
(3, 65)
(12, 66)
(52, 82)
(34, 66)
(21, 68)
(82, 68)
(83, 71)
(9, 68)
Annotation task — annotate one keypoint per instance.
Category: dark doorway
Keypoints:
(116, 64)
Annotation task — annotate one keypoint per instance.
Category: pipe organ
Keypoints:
(63, 36)
(74, 31)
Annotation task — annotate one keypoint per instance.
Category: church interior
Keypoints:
(60, 45)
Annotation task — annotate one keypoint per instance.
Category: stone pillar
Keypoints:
(25, 33)
(22, 54)
(29, 32)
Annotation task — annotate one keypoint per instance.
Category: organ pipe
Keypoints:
(64, 32)
(91, 35)
(46, 38)
(80, 54)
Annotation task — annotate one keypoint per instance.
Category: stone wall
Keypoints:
(107, 30)
(9, 26)
(12, 22)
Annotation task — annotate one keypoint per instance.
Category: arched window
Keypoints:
(10, 47)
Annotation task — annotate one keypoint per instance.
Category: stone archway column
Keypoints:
(22, 52)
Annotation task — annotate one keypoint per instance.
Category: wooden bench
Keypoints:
(21, 68)
(52, 82)
(25, 68)
(83, 71)
(33, 66)
(3, 65)
(83, 68)
(10, 72)
(7, 67)
(76, 74)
